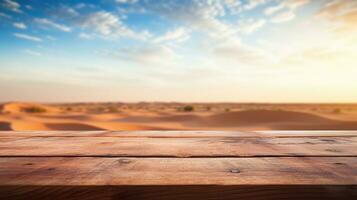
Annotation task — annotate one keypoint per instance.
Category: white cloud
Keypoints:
(33, 53)
(27, 37)
(242, 54)
(207, 17)
(28, 7)
(273, 9)
(336, 8)
(232, 3)
(103, 22)
(19, 25)
(85, 36)
(84, 5)
(287, 4)
(177, 35)
(283, 17)
(5, 15)
(51, 38)
(252, 4)
(294, 4)
(152, 54)
(65, 11)
(200, 15)
(251, 25)
(108, 24)
(47, 22)
(12, 5)
(341, 16)
(126, 1)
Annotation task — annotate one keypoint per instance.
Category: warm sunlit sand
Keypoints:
(177, 116)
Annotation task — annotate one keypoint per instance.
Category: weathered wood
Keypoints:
(178, 171)
(150, 165)
(177, 147)
(187, 192)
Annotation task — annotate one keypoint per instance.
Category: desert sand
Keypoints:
(177, 116)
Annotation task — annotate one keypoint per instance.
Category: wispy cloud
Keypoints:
(51, 38)
(273, 9)
(5, 15)
(177, 35)
(19, 25)
(12, 5)
(108, 24)
(201, 15)
(32, 52)
(49, 23)
(287, 4)
(126, 1)
(342, 14)
(334, 9)
(283, 17)
(294, 4)
(27, 37)
(153, 54)
(251, 25)
(253, 3)
(243, 54)
(85, 36)
(103, 22)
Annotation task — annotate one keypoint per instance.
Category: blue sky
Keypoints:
(188, 50)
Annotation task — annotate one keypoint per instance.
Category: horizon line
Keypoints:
(179, 102)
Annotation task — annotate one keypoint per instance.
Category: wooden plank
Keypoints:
(178, 147)
(86, 171)
(176, 134)
(227, 165)
(187, 192)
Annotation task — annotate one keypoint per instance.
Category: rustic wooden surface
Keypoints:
(178, 165)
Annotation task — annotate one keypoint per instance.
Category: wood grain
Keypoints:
(178, 165)
(178, 171)
(187, 192)
(177, 147)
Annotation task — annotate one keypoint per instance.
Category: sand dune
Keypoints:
(282, 120)
(71, 126)
(70, 117)
(33, 116)
(165, 118)
(27, 108)
(270, 119)
(28, 125)
(263, 116)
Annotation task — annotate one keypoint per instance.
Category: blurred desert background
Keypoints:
(176, 116)
(298, 55)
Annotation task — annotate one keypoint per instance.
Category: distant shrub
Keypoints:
(227, 110)
(112, 109)
(34, 109)
(188, 108)
(98, 109)
(336, 111)
(208, 108)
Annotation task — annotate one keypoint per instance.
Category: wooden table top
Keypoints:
(169, 164)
